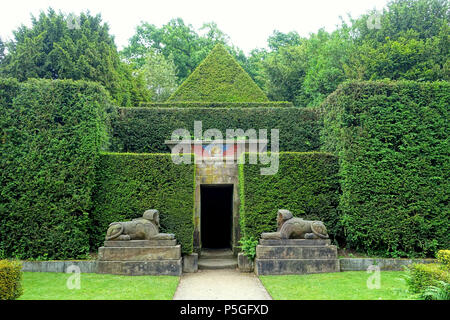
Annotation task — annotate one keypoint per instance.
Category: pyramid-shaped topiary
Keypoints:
(219, 78)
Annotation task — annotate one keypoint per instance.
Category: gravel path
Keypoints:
(220, 285)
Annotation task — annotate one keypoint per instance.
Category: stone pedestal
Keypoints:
(140, 257)
(295, 256)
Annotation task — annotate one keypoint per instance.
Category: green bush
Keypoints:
(51, 133)
(421, 277)
(306, 184)
(248, 246)
(219, 78)
(392, 143)
(128, 184)
(10, 280)
(218, 104)
(443, 257)
(146, 129)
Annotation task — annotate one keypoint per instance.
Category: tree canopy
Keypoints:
(407, 40)
(71, 47)
(410, 42)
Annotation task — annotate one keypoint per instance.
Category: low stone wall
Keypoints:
(346, 264)
(88, 266)
(361, 264)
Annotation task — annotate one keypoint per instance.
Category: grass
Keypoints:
(53, 286)
(336, 286)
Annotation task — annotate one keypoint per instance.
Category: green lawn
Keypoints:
(52, 286)
(335, 286)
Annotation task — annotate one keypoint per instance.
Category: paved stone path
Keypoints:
(220, 285)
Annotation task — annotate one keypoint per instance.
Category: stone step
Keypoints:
(139, 253)
(296, 252)
(214, 264)
(216, 254)
(295, 266)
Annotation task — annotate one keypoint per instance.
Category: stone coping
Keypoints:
(346, 264)
(385, 264)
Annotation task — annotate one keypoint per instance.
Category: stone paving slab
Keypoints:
(220, 285)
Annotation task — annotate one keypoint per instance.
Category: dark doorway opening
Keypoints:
(216, 214)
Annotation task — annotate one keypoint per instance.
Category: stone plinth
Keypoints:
(190, 263)
(244, 263)
(140, 257)
(295, 256)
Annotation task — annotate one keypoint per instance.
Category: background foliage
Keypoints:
(51, 133)
(411, 42)
(50, 49)
(128, 184)
(393, 147)
(176, 39)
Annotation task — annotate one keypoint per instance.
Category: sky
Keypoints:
(248, 23)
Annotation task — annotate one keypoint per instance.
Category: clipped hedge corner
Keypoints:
(392, 142)
(51, 134)
(422, 276)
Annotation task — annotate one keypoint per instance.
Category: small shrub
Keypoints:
(10, 280)
(248, 246)
(420, 277)
(443, 257)
(439, 292)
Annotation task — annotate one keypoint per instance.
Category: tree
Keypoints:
(179, 41)
(2, 51)
(279, 39)
(410, 42)
(159, 75)
(79, 48)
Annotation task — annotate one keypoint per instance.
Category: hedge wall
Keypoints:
(193, 104)
(393, 146)
(128, 184)
(306, 184)
(146, 129)
(219, 78)
(51, 133)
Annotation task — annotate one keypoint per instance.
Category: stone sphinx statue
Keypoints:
(296, 228)
(145, 228)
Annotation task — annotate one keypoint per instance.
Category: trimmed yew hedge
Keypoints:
(392, 139)
(51, 133)
(128, 184)
(146, 129)
(219, 77)
(307, 184)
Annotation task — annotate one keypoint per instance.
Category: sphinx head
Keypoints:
(282, 216)
(152, 215)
